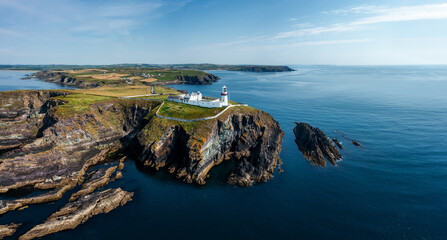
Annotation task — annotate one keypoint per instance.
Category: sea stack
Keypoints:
(315, 145)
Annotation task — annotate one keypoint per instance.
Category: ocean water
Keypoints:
(393, 187)
(12, 80)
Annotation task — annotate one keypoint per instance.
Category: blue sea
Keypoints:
(393, 187)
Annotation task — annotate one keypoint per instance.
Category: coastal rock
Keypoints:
(337, 143)
(8, 230)
(356, 143)
(65, 146)
(53, 195)
(97, 179)
(251, 138)
(79, 211)
(62, 78)
(205, 79)
(315, 145)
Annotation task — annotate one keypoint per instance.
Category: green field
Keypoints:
(78, 103)
(185, 111)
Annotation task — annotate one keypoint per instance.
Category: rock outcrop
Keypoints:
(205, 79)
(356, 143)
(249, 137)
(8, 230)
(97, 179)
(315, 145)
(61, 148)
(51, 140)
(63, 78)
(79, 211)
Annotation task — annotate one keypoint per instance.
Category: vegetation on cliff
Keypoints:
(87, 78)
(52, 141)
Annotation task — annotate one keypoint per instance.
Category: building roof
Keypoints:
(175, 97)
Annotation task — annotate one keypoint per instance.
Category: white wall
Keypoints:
(205, 104)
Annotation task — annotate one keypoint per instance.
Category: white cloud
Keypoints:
(365, 9)
(382, 15)
(332, 42)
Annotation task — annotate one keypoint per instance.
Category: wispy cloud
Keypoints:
(95, 18)
(364, 9)
(315, 31)
(331, 42)
(11, 33)
(381, 15)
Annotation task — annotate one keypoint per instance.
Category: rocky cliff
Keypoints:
(44, 148)
(248, 137)
(205, 79)
(50, 141)
(63, 78)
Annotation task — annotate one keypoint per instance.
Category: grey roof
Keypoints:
(175, 97)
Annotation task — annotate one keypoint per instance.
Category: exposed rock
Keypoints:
(337, 143)
(79, 211)
(8, 230)
(204, 79)
(118, 175)
(250, 137)
(22, 116)
(350, 139)
(121, 164)
(10, 205)
(57, 153)
(97, 179)
(315, 145)
(66, 146)
(356, 143)
(62, 78)
(65, 79)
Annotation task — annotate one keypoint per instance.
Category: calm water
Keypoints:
(11, 80)
(394, 187)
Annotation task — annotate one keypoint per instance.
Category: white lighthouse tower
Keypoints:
(224, 95)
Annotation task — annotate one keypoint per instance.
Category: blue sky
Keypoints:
(350, 32)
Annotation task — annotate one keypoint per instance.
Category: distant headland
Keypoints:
(202, 67)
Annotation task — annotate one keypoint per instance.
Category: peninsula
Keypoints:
(200, 67)
(55, 143)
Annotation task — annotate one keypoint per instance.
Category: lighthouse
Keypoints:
(224, 96)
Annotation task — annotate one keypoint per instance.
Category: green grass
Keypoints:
(78, 103)
(165, 90)
(185, 111)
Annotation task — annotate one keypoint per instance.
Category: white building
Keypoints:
(196, 98)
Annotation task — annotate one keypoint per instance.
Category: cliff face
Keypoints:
(62, 78)
(51, 140)
(251, 138)
(22, 116)
(45, 149)
(206, 79)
